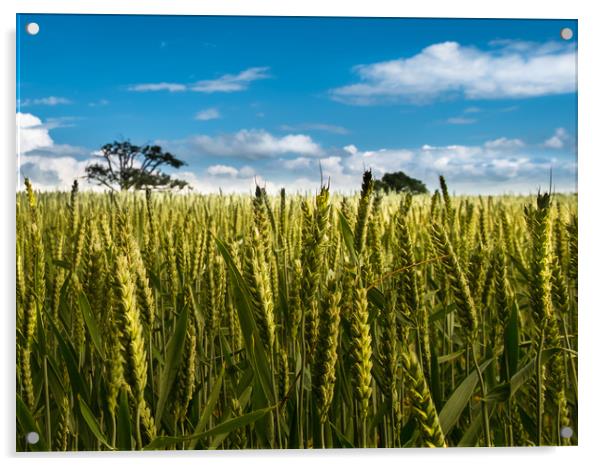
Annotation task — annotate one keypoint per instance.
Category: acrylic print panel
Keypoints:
(271, 232)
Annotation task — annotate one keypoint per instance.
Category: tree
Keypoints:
(400, 182)
(129, 166)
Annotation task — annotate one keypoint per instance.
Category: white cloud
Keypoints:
(532, 47)
(49, 165)
(380, 161)
(350, 148)
(60, 122)
(502, 165)
(461, 121)
(50, 101)
(497, 166)
(31, 134)
(254, 144)
(208, 114)
(230, 171)
(449, 68)
(171, 87)
(222, 170)
(34, 135)
(246, 171)
(331, 165)
(205, 183)
(231, 82)
(558, 140)
(504, 143)
(297, 163)
(191, 178)
(304, 185)
(49, 173)
(225, 83)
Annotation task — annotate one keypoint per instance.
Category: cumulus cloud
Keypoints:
(34, 135)
(497, 166)
(49, 165)
(254, 144)
(500, 165)
(225, 83)
(509, 70)
(208, 114)
(49, 173)
(31, 134)
(49, 101)
(295, 161)
(558, 140)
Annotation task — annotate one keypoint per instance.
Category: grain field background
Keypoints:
(166, 321)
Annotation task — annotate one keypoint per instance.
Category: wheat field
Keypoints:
(168, 321)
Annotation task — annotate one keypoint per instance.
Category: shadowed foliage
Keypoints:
(128, 166)
(400, 182)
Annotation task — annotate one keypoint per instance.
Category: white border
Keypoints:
(590, 207)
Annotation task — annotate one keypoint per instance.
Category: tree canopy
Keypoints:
(400, 182)
(127, 166)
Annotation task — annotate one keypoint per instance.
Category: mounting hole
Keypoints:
(566, 33)
(32, 28)
(566, 432)
(32, 438)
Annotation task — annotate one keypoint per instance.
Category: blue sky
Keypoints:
(490, 104)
